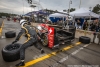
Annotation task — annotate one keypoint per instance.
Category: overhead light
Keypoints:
(32, 6)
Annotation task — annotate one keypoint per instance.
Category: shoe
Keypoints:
(20, 64)
(63, 43)
(42, 52)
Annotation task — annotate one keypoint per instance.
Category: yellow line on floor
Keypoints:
(1, 28)
(49, 55)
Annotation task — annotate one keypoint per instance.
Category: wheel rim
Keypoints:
(45, 40)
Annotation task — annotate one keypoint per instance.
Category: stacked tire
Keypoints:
(84, 39)
(11, 52)
(10, 34)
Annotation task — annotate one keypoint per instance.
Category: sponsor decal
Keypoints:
(50, 35)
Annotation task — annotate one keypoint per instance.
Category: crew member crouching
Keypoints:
(32, 39)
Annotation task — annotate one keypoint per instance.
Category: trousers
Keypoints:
(94, 37)
(29, 43)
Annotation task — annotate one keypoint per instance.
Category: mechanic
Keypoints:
(32, 39)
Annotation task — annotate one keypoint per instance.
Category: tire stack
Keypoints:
(11, 52)
(10, 34)
(84, 39)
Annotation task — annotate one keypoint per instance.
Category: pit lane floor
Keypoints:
(74, 53)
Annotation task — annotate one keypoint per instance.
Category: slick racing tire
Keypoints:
(10, 34)
(44, 40)
(11, 53)
(84, 39)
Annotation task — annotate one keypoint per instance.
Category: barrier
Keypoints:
(85, 33)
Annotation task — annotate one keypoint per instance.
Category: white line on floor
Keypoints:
(67, 57)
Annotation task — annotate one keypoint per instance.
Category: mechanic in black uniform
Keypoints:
(32, 39)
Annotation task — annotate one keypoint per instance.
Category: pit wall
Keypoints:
(85, 33)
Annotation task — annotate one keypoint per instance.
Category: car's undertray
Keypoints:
(64, 36)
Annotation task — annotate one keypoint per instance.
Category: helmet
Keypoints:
(22, 22)
(39, 27)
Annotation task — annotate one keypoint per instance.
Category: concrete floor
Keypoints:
(83, 54)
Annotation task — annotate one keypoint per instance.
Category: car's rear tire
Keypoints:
(84, 39)
(10, 34)
(44, 40)
(11, 53)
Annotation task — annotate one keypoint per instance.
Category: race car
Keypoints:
(54, 35)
